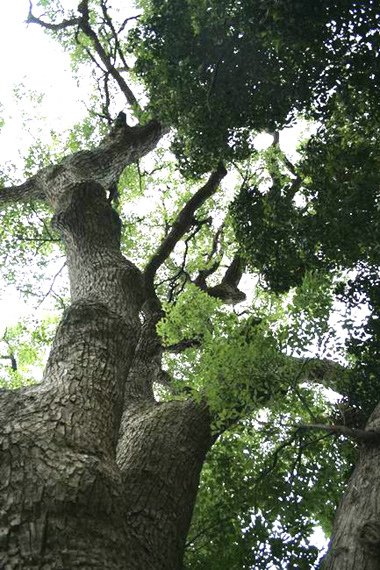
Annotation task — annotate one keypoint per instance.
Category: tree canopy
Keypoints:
(264, 265)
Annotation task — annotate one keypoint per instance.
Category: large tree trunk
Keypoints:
(355, 543)
(94, 472)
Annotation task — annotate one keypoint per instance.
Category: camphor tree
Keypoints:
(153, 366)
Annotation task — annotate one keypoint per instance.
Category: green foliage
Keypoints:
(330, 218)
(307, 317)
(361, 387)
(190, 317)
(219, 70)
(269, 228)
(341, 175)
(263, 488)
(27, 342)
(243, 364)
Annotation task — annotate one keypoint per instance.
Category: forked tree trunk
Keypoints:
(355, 543)
(94, 473)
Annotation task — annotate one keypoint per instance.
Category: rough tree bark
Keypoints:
(355, 542)
(94, 473)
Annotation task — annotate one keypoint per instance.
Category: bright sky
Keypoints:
(37, 63)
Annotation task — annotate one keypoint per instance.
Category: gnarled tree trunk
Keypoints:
(94, 473)
(355, 543)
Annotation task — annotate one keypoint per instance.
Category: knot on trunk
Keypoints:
(89, 215)
(369, 536)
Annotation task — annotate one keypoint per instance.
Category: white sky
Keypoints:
(36, 61)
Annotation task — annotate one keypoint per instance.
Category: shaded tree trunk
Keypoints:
(355, 543)
(94, 472)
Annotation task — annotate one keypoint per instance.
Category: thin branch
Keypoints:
(361, 435)
(200, 280)
(11, 357)
(83, 23)
(126, 22)
(183, 345)
(107, 99)
(51, 286)
(55, 27)
(176, 289)
(89, 32)
(118, 50)
(45, 226)
(88, 51)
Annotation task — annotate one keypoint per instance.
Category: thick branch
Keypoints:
(183, 223)
(227, 291)
(103, 165)
(28, 191)
(183, 345)
(326, 372)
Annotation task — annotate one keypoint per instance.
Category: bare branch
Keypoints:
(361, 435)
(89, 32)
(109, 23)
(83, 23)
(183, 223)
(55, 27)
(126, 22)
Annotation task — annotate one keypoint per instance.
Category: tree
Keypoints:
(151, 370)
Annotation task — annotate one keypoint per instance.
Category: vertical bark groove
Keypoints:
(161, 451)
(355, 543)
(94, 473)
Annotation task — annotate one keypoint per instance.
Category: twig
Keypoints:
(89, 32)
(51, 286)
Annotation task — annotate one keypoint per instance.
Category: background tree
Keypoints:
(152, 367)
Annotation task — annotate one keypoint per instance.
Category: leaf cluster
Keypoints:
(217, 71)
